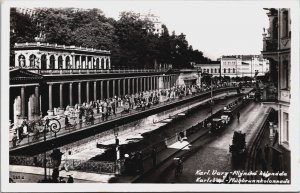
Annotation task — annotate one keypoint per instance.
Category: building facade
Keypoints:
(236, 66)
(47, 79)
(277, 49)
(211, 68)
(157, 28)
(45, 56)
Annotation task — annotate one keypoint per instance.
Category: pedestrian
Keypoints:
(238, 116)
(153, 154)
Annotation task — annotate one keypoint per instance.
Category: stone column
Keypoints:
(73, 62)
(105, 63)
(80, 61)
(87, 92)
(128, 85)
(148, 83)
(101, 89)
(37, 95)
(56, 62)
(79, 93)
(95, 91)
(107, 88)
(119, 87)
(71, 94)
(145, 84)
(23, 102)
(61, 96)
(92, 62)
(141, 84)
(114, 87)
(137, 85)
(124, 87)
(50, 111)
(86, 62)
(132, 85)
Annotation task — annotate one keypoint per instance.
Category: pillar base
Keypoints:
(61, 111)
(50, 113)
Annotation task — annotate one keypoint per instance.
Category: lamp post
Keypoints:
(116, 133)
(211, 99)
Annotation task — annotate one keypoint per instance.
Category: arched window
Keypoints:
(233, 70)
(224, 70)
(97, 63)
(60, 62)
(102, 63)
(107, 64)
(52, 62)
(215, 70)
(228, 70)
(22, 62)
(211, 70)
(32, 58)
(43, 62)
(68, 64)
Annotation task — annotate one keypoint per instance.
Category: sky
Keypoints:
(216, 29)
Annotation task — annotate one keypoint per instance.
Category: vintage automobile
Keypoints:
(227, 116)
(217, 124)
(238, 146)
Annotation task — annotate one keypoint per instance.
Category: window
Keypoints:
(285, 75)
(285, 133)
(233, 70)
(215, 70)
(224, 63)
(228, 70)
(224, 70)
(211, 70)
(219, 70)
(285, 24)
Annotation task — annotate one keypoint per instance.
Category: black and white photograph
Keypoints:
(153, 94)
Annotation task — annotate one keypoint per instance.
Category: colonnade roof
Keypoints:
(56, 47)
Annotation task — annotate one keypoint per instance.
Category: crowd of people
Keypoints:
(106, 108)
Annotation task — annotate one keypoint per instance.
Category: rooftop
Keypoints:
(56, 46)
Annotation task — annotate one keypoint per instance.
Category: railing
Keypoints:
(92, 71)
(47, 45)
(99, 119)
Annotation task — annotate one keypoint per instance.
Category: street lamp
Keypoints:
(211, 99)
(116, 133)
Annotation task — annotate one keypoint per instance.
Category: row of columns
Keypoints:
(134, 85)
(23, 100)
(83, 61)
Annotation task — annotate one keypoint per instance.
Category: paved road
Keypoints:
(210, 152)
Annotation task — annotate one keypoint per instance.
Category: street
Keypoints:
(210, 152)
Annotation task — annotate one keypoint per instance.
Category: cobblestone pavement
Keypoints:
(210, 153)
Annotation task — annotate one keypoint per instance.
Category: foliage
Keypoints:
(131, 38)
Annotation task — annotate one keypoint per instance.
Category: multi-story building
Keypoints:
(210, 68)
(237, 66)
(277, 49)
(157, 28)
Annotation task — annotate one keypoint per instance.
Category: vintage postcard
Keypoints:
(150, 96)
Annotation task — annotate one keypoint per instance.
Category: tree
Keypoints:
(22, 29)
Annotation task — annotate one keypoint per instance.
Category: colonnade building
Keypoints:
(47, 79)
(45, 56)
